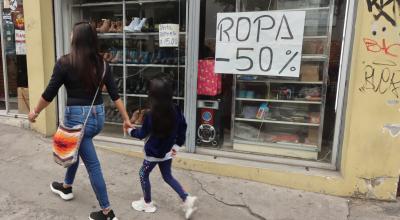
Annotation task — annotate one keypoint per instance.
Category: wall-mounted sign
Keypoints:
(169, 35)
(20, 47)
(260, 43)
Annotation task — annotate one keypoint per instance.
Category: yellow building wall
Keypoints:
(370, 160)
(40, 58)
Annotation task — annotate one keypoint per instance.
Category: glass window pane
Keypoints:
(292, 117)
(15, 57)
(136, 37)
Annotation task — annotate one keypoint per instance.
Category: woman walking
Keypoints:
(81, 72)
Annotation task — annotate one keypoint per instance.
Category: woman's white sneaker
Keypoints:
(64, 193)
(142, 206)
(188, 206)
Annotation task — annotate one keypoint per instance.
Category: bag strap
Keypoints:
(97, 92)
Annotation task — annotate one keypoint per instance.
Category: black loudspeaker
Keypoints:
(209, 123)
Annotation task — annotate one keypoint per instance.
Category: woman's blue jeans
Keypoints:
(75, 115)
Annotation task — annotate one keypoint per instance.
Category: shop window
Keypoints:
(130, 41)
(14, 95)
(280, 116)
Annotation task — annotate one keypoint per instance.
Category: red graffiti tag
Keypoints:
(376, 47)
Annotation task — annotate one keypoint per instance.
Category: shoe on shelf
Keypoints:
(138, 87)
(135, 56)
(149, 25)
(105, 27)
(142, 206)
(64, 193)
(117, 58)
(144, 89)
(120, 28)
(131, 27)
(146, 56)
(138, 28)
(188, 206)
(113, 27)
(100, 215)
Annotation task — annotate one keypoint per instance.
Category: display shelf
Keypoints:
(113, 123)
(148, 65)
(116, 64)
(279, 81)
(299, 146)
(109, 35)
(277, 122)
(146, 96)
(280, 101)
(156, 34)
(327, 8)
(314, 57)
(94, 4)
(139, 2)
(156, 65)
(315, 37)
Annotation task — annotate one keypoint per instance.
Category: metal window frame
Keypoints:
(344, 68)
(4, 60)
(6, 112)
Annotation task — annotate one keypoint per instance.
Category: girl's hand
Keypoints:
(174, 153)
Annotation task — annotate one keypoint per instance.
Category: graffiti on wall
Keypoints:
(381, 78)
(393, 129)
(384, 9)
(382, 75)
(382, 47)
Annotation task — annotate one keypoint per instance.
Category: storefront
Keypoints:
(301, 98)
(14, 94)
(250, 115)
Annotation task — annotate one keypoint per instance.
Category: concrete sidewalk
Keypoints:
(27, 168)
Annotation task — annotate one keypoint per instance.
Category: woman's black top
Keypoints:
(77, 93)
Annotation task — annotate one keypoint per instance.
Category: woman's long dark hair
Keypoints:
(84, 57)
(162, 108)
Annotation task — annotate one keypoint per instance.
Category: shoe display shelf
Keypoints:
(128, 38)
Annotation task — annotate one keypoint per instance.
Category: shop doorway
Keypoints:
(14, 93)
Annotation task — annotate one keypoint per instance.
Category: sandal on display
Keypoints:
(105, 27)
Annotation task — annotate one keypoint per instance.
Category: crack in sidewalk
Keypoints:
(214, 196)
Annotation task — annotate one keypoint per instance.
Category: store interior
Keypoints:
(256, 112)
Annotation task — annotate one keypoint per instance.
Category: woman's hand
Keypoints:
(127, 125)
(32, 116)
(34, 113)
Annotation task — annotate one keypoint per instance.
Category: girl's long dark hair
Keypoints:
(84, 57)
(162, 108)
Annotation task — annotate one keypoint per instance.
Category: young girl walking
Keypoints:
(164, 128)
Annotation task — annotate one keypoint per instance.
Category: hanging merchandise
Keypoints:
(19, 21)
(9, 35)
(13, 4)
(208, 82)
(20, 48)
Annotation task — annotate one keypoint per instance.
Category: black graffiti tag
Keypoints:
(380, 6)
(381, 79)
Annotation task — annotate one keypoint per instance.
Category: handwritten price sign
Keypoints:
(260, 43)
(169, 35)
